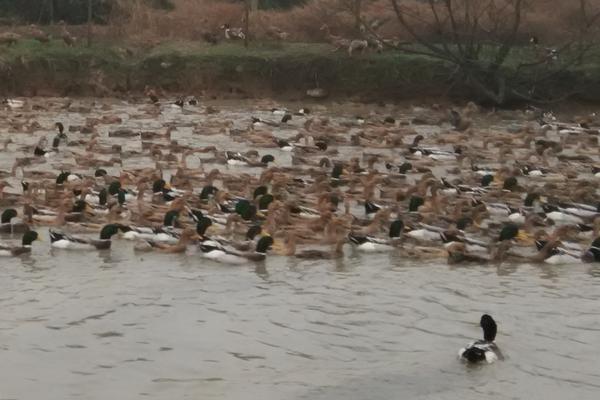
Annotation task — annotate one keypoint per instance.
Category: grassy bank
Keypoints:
(279, 70)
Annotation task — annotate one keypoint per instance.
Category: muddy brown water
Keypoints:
(122, 325)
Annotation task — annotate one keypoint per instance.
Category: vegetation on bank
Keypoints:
(267, 69)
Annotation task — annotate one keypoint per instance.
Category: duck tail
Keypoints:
(356, 239)
(55, 236)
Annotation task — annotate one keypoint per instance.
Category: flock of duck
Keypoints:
(427, 184)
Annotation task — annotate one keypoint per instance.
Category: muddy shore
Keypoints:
(279, 71)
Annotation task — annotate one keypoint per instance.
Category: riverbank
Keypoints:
(276, 70)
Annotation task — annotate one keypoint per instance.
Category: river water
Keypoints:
(123, 325)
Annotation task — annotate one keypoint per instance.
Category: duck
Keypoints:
(559, 215)
(313, 254)
(61, 240)
(8, 225)
(215, 251)
(483, 350)
(180, 247)
(370, 244)
(14, 251)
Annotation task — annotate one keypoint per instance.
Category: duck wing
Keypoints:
(5, 247)
(359, 239)
(55, 236)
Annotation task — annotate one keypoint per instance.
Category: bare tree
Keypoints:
(481, 39)
(89, 23)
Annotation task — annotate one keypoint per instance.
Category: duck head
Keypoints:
(396, 228)
(415, 203)
(203, 224)
(264, 244)
(508, 232)
(114, 188)
(62, 177)
(486, 180)
(531, 200)
(264, 201)
(404, 168)
(79, 206)
(108, 231)
(8, 215)
(121, 197)
(29, 237)
(260, 191)
(171, 218)
(489, 327)
(207, 192)
(266, 159)
(321, 145)
(160, 185)
(338, 170)
(103, 197)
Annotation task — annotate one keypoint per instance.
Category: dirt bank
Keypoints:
(280, 71)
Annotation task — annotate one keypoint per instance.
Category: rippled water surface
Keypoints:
(123, 325)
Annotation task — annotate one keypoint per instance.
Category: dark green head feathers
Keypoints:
(171, 218)
(264, 244)
(114, 187)
(8, 215)
(203, 224)
(264, 201)
(108, 231)
(29, 237)
(396, 228)
(508, 232)
(260, 191)
(486, 180)
(415, 203)
(208, 192)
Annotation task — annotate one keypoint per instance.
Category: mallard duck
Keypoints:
(371, 244)
(213, 250)
(484, 350)
(13, 251)
(153, 234)
(560, 215)
(471, 245)
(63, 241)
(7, 225)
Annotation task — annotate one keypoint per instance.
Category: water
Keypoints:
(118, 325)
(123, 325)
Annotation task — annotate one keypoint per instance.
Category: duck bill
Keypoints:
(524, 238)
